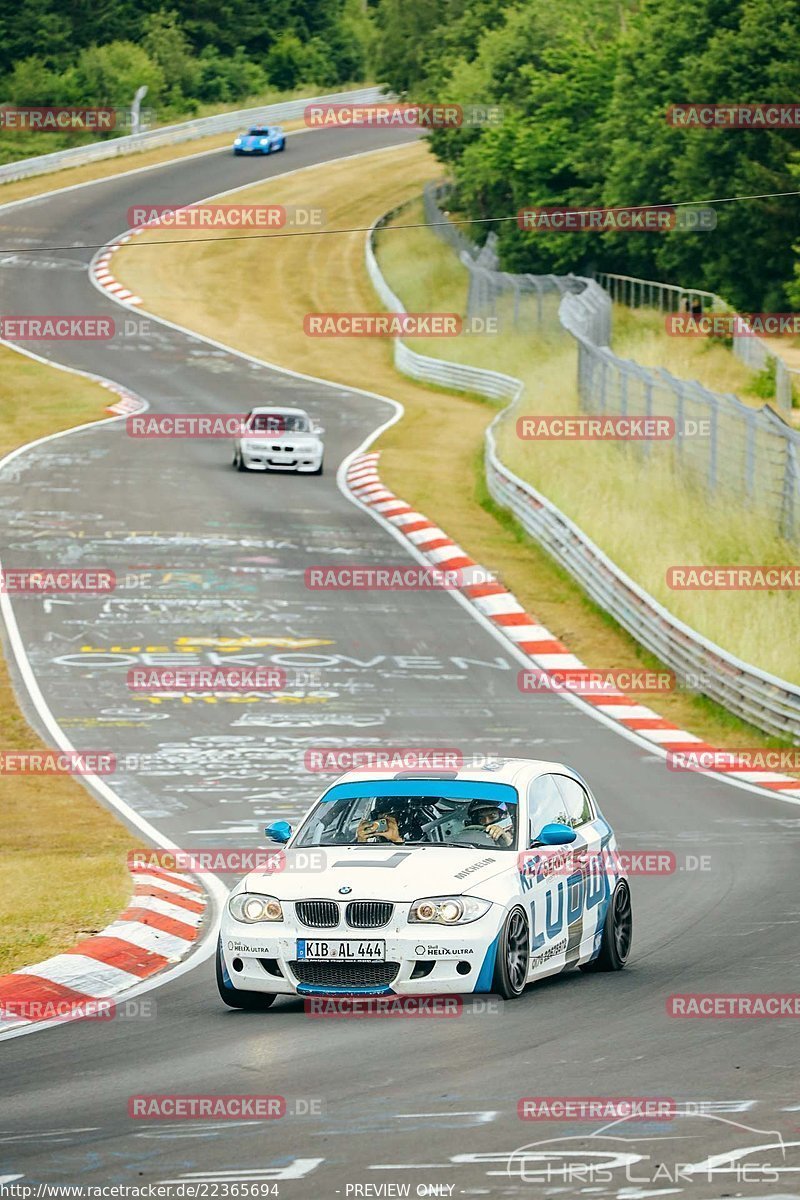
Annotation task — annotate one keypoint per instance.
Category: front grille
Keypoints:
(368, 914)
(345, 974)
(319, 914)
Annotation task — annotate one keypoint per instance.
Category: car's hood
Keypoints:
(249, 141)
(381, 872)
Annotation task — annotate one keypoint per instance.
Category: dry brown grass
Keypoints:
(62, 857)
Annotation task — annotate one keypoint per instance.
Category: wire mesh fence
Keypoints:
(748, 455)
(667, 298)
(766, 701)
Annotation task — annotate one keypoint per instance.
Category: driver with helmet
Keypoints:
(493, 818)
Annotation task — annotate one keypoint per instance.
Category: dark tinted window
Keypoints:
(577, 802)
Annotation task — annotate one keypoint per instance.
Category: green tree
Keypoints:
(32, 82)
(166, 43)
(112, 73)
(286, 62)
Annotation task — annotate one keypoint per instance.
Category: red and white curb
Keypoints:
(101, 272)
(127, 405)
(545, 651)
(157, 929)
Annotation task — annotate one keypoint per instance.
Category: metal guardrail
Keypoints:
(421, 366)
(186, 131)
(764, 700)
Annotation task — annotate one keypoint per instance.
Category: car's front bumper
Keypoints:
(282, 460)
(432, 961)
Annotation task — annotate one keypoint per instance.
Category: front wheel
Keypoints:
(615, 944)
(513, 956)
(318, 470)
(252, 1001)
(239, 463)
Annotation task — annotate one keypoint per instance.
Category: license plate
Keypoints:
(339, 951)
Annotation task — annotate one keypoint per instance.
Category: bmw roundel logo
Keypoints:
(345, 891)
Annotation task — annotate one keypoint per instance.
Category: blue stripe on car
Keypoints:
(484, 980)
(311, 989)
(447, 789)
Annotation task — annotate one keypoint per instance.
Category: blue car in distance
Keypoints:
(261, 139)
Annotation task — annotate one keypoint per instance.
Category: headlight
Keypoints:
(448, 910)
(306, 447)
(252, 445)
(265, 141)
(237, 142)
(250, 908)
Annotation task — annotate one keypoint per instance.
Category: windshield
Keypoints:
(259, 133)
(278, 423)
(457, 813)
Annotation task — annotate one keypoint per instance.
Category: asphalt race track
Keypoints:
(208, 555)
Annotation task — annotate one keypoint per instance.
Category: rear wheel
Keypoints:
(513, 956)
(252, 1001)
(615, 944)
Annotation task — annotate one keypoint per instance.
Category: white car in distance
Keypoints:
(280, 439)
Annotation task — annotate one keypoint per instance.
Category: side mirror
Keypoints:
(317, 428)
(279, 831)
(555, 834)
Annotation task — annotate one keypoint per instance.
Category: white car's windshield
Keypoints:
(449, 814)
(278, 423)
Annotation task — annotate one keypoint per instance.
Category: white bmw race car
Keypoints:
(279, 439)
(477, 880)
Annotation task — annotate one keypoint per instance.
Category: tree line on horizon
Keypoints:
(580, 93)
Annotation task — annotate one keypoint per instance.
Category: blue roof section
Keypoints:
(448, 789)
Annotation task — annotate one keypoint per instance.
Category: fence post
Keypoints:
(712, 449)
(790, 477)
(750, 453)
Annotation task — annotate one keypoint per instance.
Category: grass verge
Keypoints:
(432, 457)
(641, 512)
(62, 858)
